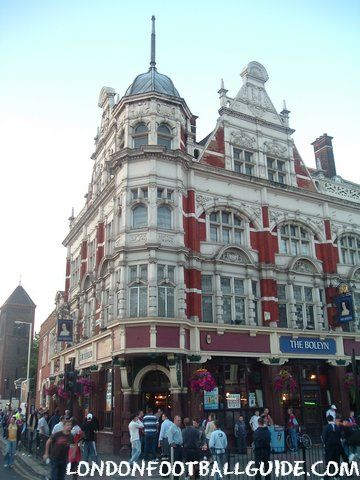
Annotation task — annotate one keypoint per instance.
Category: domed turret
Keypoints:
(152, 80)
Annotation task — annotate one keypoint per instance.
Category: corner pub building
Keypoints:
(225, 253)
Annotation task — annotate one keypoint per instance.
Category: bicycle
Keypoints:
(302, 438)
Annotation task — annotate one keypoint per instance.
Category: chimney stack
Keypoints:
(324, 155)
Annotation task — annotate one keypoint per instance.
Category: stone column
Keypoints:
(117, 410)
(177, 402)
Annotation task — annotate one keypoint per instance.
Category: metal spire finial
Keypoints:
(152, 61)
(20, 279)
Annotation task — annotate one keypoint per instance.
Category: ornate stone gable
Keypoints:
(242, 139)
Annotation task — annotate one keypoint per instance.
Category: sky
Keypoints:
(55, 56)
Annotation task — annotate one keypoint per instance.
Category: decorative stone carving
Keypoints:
(356, 275)
(203, 200)
(138, 238)
(303, 266)
(234, 256)
(166, 239)
(274, 148)
(275, 215)
(243, 140)
(342, 191)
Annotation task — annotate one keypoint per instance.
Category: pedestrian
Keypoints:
(151, 426)
(352, 419)
(191, 444)
(89, 428)
(134, 428)
(218, 445)
(331, 411)
(240, 432)
(331, 436)
(292, 426)
(11, 442)
(262, 438)
(175, 440)
(254, 421)
(57, 447)
(32, 428)
(210, 427)
(59, 426)
(74, 456)
(266, 416)
(163, 441)
(67, 414)
(202, 439)
(141, 433)
(20, 423)
(55, 418)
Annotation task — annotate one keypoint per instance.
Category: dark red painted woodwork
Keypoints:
(234, 342)
(167, 337)
(137, 337)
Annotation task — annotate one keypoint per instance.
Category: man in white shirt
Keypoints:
(43, 427)
(163, 441)
(59, 427)
(332, 412)
(134, 428)
(254, 421)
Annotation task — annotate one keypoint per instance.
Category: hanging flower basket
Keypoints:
(51, 390)
(202, 380)
(285, 382)
(88, 386)
(62, 393)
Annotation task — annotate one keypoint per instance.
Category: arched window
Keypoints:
(164, 135)
(140, 216)
(140, 135)
(164, 217)
(294, 240)
(226, 227)
(166, 290)
(350, 249)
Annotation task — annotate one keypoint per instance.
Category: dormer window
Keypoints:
(243, 162)
(164, 135)
(276, 170)
(141, 134)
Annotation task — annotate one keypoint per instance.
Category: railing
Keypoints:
(33, 442)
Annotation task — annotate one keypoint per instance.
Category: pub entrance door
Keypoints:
(312, 418)
(155, 391)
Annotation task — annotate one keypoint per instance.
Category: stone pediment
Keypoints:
(233, 255)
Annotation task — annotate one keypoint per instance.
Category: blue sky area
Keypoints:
(56, 55)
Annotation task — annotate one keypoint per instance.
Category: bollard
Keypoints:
(172, 462)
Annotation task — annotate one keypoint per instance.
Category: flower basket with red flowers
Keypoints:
(285, 382)
(202, 380)
(88, 386)
(51, 390)
(62, 393)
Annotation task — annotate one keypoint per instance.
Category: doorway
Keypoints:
(311, 412)
(155, 391)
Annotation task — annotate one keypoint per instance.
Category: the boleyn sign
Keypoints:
(307, 345)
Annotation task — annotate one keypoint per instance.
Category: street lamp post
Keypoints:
(28, 359)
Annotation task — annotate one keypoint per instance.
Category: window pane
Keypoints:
(283, 245)
(225, 285)
(240, 310)
(141, 128)
(227, 309)
(281, 292)
(248, 157)
(160, 192)
(164, 217)
(238, 286)
(237, 167)
(237, 220)
(143, 301)
(144, 272)
(170, 302)
(160, 272)
(140, 216)
(310, 320)
(305, 248)
(248, 170)
(165, 142)
(207, 313)
(161, 301)
(299, 314)
(139, 141)
(294, 247)
(206, 283)
(213, 234)
(226, 235)
(282, 315)
(213, 217)
(297, 293)
(164, 129)
(281, 166)
(237, 153)
(225, 217)
(237, 237)
(133, 273)
(171, 273)
(308, 294)
(134, 302)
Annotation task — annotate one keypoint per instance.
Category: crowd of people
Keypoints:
(63, 437)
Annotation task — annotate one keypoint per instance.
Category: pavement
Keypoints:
(29, 467)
